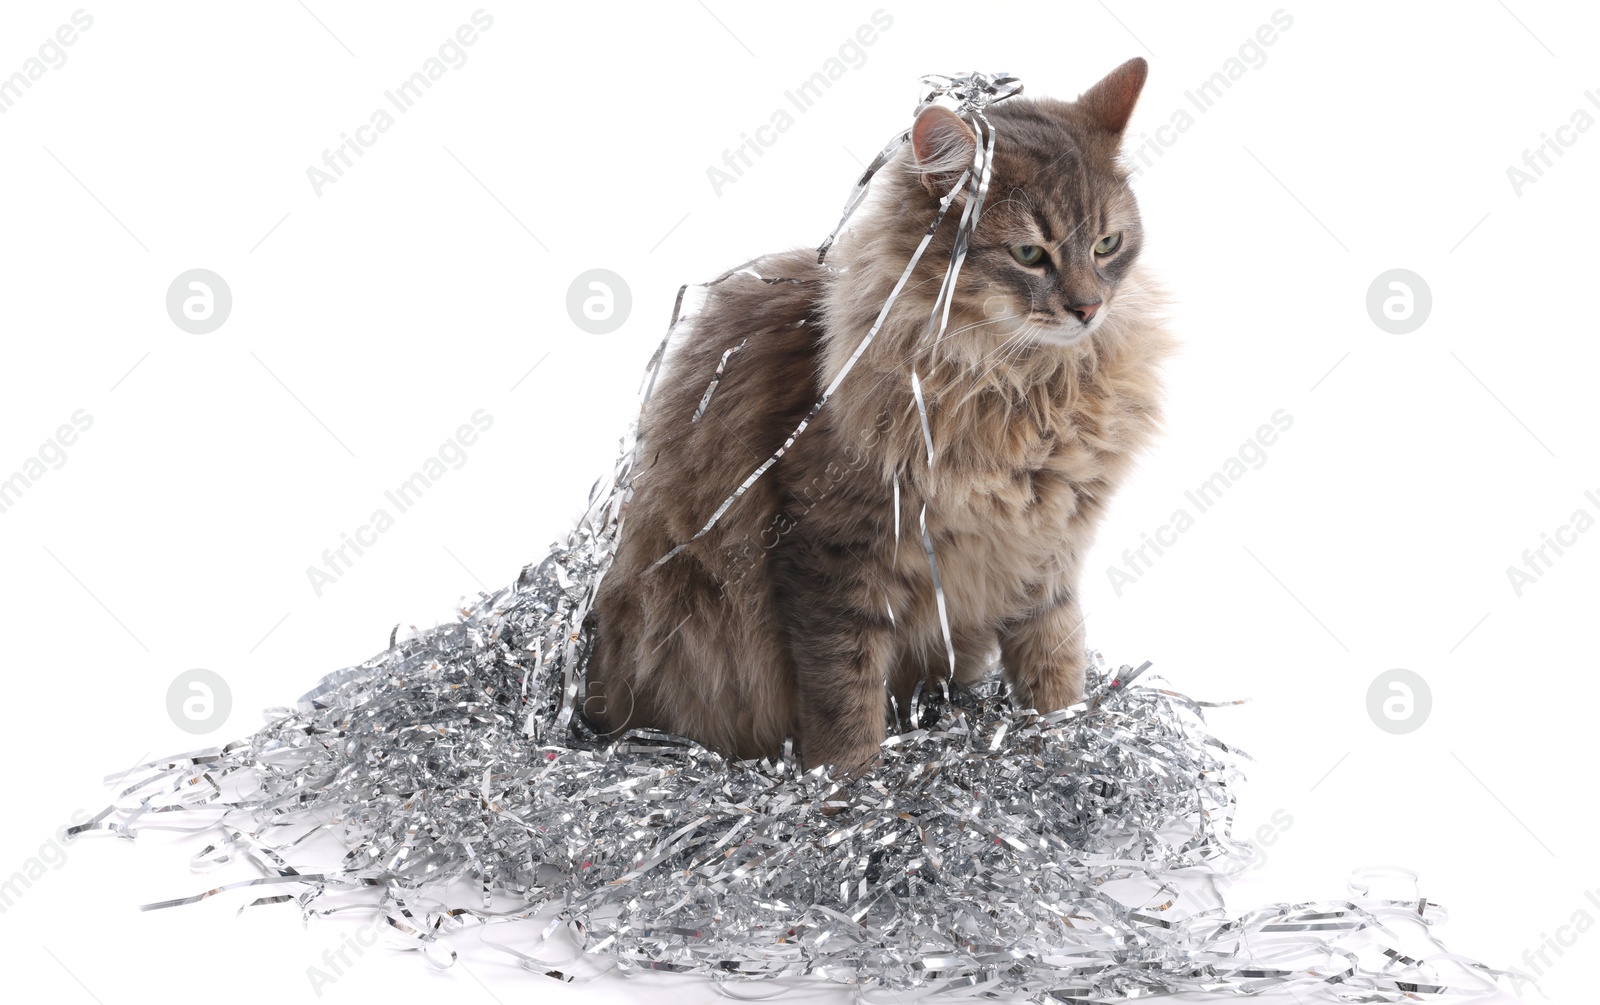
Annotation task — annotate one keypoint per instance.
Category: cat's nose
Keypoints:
(1085, 312)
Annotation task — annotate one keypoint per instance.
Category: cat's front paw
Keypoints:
(849, 762)
(1051, 693)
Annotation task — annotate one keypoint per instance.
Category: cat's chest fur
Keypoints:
(1015, 486)
(1008, 503)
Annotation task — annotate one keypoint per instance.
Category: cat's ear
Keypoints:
(1111, 101)
(943, 146)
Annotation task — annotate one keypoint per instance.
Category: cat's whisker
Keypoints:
(978, 382)
(976, 324)
(1013, 347)
(1020, 334)
(1023, 345)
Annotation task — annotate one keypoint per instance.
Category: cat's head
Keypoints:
(1059, 231)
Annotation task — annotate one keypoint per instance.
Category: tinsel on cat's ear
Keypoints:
(1111, 101)
(943, 145)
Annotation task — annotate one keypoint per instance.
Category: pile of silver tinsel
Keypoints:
(449, 783)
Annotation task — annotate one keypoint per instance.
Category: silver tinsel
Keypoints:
(446, 782)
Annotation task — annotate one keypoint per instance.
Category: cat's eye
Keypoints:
(1108, 244)
(1027, 254)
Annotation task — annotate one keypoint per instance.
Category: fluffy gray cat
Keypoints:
(813, 599)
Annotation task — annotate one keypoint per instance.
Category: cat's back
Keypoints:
(677, 638)
(731, 390)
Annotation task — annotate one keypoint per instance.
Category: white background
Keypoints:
(372, 320)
